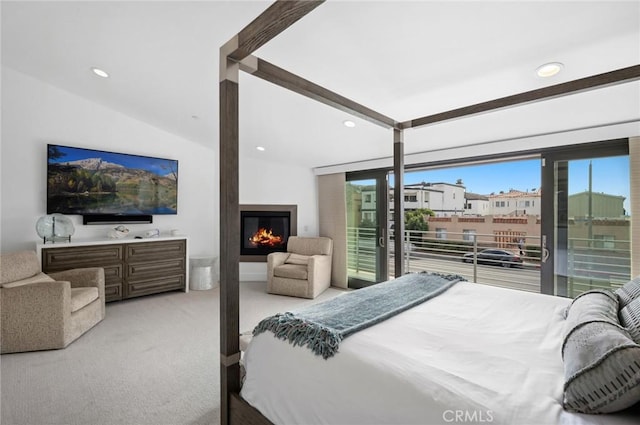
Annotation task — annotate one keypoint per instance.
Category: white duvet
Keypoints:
(475, 354)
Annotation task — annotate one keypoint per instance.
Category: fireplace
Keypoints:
(265, 229)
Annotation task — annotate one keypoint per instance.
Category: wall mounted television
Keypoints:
(108, 185)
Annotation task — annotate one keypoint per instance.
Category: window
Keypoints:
(410, 198)
(468, 234)
(367, 198)
(502, 203)
(527, 204)
(605, 241)
(441, 233)
(497, 204)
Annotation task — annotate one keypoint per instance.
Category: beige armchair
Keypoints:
(42, 312)
(303, 271)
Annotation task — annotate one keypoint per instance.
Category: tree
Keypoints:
(415, 219)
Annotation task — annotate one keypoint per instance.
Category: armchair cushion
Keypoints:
(310, 246)
(17, 266)
(297, 259)
(89, 276)
(81, 297)
(292, 271)
(40, 277)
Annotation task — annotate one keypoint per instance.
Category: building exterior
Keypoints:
(506, 232)
(603, 205)
(368, 204)
(503, 220)
(490, 231)
(444, 199)
(515, 203)
(476, 205)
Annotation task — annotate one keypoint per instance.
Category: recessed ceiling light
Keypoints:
(549, 69)
(100, 73)
(260, 148)
(349, 123)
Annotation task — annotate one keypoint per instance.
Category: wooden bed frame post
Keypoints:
(398, 201)
(229, 232)
(275, 19)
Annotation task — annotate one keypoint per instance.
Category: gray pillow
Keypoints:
(629, 291)
(596, 304)
(601, 361)
(630, 319)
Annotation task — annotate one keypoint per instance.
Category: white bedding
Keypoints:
(475, 354)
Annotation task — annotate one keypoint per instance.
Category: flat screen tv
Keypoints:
(93, 182)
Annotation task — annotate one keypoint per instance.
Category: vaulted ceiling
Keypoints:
(402, 59)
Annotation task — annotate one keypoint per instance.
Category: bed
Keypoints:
(474, 354)
(498, 371)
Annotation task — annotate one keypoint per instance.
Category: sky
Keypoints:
(609, 175)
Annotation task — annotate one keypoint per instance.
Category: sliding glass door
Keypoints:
(367, 206)
(587, 226)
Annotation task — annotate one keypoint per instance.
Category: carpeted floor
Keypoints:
(153, 360)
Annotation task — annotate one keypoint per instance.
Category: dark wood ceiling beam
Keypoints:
(283, 78)
(618, 76)
(277, 18)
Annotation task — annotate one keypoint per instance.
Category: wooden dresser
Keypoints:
(132, 267)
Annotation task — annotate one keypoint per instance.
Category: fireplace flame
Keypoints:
(265, 238)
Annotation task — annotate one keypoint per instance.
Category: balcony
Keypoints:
(587, 264)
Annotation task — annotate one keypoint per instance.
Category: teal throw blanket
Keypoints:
(322, 326)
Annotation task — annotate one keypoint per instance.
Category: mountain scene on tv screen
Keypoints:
(99, 184)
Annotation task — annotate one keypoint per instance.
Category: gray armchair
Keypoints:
(304, 270)
(42, 312)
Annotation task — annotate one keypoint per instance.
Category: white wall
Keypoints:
(35, 113)
(278, 184)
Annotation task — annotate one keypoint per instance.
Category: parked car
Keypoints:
(495, 257)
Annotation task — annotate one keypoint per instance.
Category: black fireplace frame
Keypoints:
(293, 224)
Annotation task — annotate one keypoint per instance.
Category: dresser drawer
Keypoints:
(113, 292)
(56, 259)
(155, 285)
(155, 269)
(112, 274)
(132, 268)
(151, 251)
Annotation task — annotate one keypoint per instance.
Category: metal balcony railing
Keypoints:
(597, 263)
(587, 264)
(361, 251)
(509, 264)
